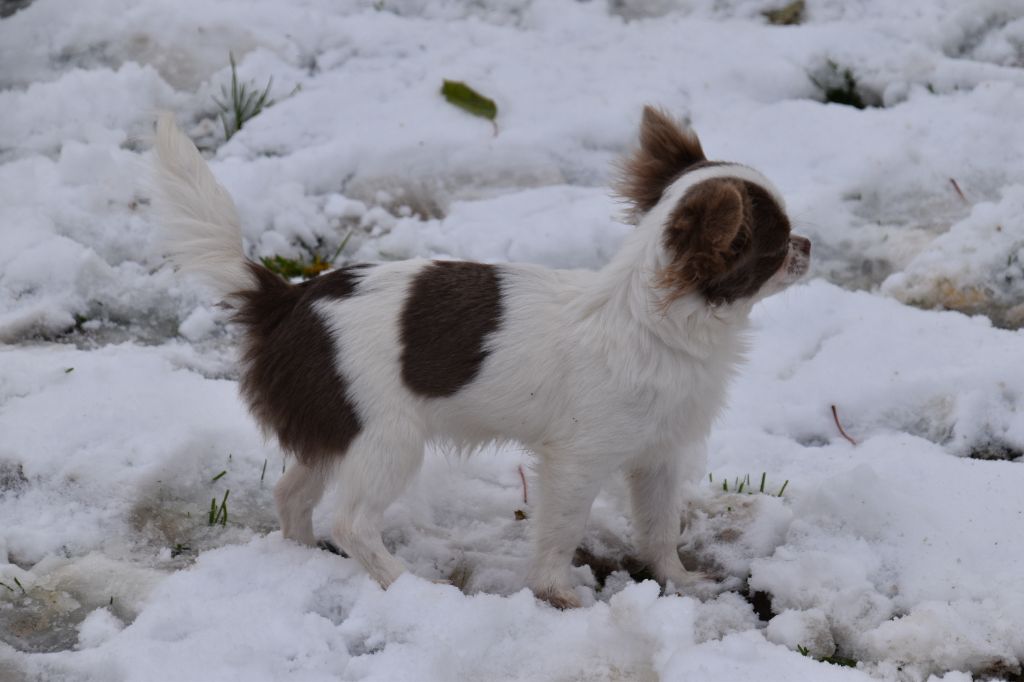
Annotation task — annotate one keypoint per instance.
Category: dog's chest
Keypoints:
(651, 398)
(686, 395)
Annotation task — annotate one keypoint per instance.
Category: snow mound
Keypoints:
(975, 267)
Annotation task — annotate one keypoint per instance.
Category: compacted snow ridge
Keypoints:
(895, 554)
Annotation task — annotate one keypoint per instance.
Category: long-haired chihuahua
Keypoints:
(619, 370)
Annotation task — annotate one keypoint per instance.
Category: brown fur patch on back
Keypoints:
(666, 151)
(451, 309)
(727, 237)
(289, 374)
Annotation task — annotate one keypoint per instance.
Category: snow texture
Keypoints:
(118, 401)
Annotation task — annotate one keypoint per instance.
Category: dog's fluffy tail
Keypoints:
(202, 233)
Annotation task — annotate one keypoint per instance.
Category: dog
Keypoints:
(619, 370)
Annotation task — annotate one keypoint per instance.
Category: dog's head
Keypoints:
(724, 233)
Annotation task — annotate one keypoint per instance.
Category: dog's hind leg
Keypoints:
(296, 494)
(374, 472)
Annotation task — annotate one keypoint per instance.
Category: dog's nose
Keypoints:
(802, 243)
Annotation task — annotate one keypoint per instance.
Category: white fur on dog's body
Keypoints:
(587, 369)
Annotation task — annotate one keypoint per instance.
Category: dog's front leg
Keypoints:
(656, 490)
(568, 485)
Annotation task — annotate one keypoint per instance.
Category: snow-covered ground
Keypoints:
(118, 406)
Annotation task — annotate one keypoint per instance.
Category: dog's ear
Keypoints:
(666, 150)
(704, 235)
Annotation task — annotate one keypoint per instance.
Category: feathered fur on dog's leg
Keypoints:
(569, 482)
(377, 468)
(201, 228)
(296, 495)
(656, 490)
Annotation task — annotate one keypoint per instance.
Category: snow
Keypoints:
(118, 404)
(99, 626)
(808, 629)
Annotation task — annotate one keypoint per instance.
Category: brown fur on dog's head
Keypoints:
(726, 237)
(665, 152)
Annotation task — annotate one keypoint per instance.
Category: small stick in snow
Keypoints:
(959, 192)
(835, 416)
(522, 477)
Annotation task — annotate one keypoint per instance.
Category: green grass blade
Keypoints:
(342, 245)
(222, 513)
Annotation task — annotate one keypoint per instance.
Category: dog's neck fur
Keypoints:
(625, 286)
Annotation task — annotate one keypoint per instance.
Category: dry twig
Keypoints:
(835, 416)
(959, 192)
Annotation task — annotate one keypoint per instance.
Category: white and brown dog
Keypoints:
(623, 369)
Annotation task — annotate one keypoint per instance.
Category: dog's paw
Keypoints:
(689, 583)
(560, 598)
(702, 589)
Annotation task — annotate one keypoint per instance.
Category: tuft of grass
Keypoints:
(20, 586)
(69, 370)
(264, 472)
(3, 584)
(839, 86)
(242, 102)
(179, 549)
(787, 15)
(834, 659)
(219, 476)
(219, 514)
(744, 486)
(290, 268)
